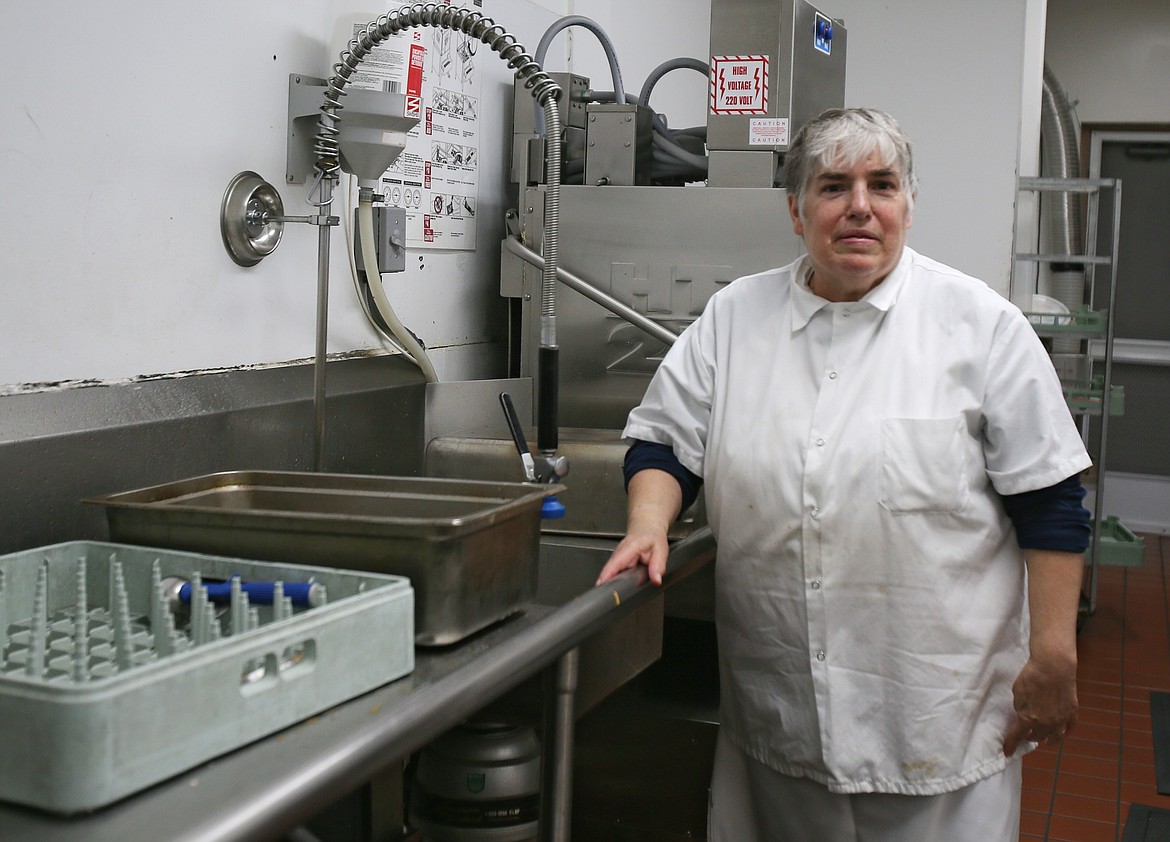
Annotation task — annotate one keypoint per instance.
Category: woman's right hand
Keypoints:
(648, 548)
(655, 501)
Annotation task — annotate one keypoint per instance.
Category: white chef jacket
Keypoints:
(870, 594)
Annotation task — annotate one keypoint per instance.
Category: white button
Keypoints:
(816, 584)
(815, 512)
(832, 375)
(820, 442)
(821, 655)
(846, 314)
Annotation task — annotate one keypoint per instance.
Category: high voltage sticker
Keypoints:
(739, 85)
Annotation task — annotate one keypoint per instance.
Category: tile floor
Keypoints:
(1081, 790)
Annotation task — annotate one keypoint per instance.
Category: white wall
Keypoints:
(1112, 59)
(122, 123)
(954, 75)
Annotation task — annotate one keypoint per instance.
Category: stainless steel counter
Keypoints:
(264, 790)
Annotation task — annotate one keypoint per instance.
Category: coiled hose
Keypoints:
(544, 90)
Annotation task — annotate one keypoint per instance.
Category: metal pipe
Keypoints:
(560, 717)
(322, 328)
(594, 294)
(1106, 396)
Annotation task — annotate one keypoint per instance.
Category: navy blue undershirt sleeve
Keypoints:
(649, 454)
(1046, 519)
(1051, 518)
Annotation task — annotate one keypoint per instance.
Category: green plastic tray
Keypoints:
(1086, 398)
(1081, 321)
(77, 737)
(1119, 546)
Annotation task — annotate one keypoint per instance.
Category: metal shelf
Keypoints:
(1068, 185)
(1093, 324)
(1066, 258)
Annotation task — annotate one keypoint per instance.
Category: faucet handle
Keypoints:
(518, 436)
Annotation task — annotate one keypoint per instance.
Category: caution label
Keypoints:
(768, 131)
(739, 85)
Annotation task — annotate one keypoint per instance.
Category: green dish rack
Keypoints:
(1088, 398)
(110, 682)
(1081, 321)
(1119, 546)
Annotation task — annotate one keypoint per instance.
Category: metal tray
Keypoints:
(469, 548)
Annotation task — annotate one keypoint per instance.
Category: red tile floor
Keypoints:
(1080, 791)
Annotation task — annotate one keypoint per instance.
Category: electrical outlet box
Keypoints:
(618, 147)
(389, 239)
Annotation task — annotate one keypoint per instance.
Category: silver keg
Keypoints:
(478, 782)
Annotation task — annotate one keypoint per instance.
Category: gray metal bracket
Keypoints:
(304, 107)
(367, 115)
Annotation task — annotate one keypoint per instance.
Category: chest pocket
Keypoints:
(923, 465)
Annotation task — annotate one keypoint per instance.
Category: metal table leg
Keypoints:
(559, 718)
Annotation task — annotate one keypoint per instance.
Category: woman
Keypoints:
(892, 476)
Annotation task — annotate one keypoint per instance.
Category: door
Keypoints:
(1139, 441)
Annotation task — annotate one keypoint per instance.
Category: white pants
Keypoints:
(753, 803)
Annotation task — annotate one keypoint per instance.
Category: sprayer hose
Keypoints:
(544, 90)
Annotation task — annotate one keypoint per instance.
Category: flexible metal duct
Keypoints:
(1061, 159)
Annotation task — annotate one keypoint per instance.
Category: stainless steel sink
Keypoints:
(594, 495)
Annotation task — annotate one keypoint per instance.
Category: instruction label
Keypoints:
(739, 85)
(436, 178)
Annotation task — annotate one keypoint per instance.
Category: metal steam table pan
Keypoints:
(469, 548)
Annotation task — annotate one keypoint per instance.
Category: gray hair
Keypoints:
(847, 135)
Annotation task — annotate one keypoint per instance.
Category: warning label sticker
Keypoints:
(414, 79)
(739, 85)
(768, 131)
